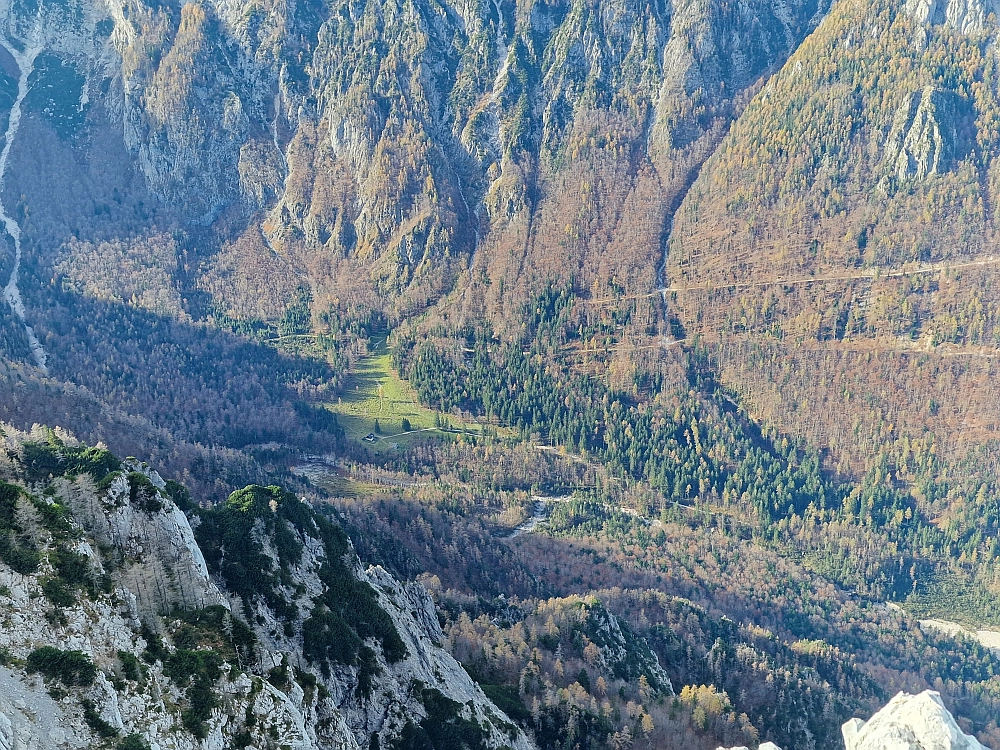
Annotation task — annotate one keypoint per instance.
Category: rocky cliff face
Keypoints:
(396, 138)
(79, 646)
(114, 629)
(375, 642)
(159, 562)
(967, 16)
(928, 133)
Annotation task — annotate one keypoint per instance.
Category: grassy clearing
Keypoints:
(375, 393)
(334, 482)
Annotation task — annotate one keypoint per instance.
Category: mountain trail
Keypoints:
(874, 275)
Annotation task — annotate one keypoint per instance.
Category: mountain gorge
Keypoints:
(543, 374)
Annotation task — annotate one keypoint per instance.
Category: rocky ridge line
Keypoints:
(144, 617)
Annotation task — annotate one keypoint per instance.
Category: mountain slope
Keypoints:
(106, 593)
(837, 250)
(388, 141)
(197, 184)
(241, 225)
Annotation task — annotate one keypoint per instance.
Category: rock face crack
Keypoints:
(26, 64)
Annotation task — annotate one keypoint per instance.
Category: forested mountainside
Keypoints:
(184, 177)
(654, 340)
(839, 248)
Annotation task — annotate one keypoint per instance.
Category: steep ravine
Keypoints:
(12, 294)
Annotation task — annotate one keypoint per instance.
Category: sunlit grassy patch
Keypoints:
(375, 400)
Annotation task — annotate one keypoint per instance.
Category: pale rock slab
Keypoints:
(928, 135)
(909, 722)
(967, 16)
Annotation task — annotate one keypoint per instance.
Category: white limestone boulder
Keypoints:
(909, 722)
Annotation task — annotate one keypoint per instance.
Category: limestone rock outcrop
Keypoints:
(160, 560)
(926, 135)
(107, 575)
(967, 16)
(909, 722)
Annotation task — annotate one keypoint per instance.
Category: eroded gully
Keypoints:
(25, 63)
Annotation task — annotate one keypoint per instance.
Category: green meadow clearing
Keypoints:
(374, 393)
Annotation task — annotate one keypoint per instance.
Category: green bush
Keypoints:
(9, 495)
(327, 636)
(96, 722)
(69, 667)
(55, 518)
(184, 665)
(508, 699)
(369, 670)
(72, 572)
(197, 671)
(42, 460)
(74, 569)
(133, 742)
(180, 495)
(52, 458)
(444, 728)
(57, 592)
(217, 628)
(143, 494)
(202, 700)
(21, 557)
(131, 668)
(155, 650)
